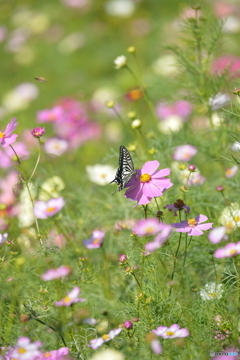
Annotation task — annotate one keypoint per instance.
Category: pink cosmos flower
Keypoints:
(156, 346)
(230, 172)
(148, 183)
(172, 332)
(184, 152)
(5, 137)
(147, 227)
(182, 108)
(164, 233)
(229, 250)
(95, 241)
(53, 274)
(38, 132)
(227, 62)
(7, 184)
(3, 238)
(193, 226)
(55, 354)
(96, 343)
(45, 209)
(177, 206)
(217, 234)
(25, 349)
(71, 298)
(21, 151)
(50, 115)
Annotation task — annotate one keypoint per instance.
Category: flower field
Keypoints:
(119, 160)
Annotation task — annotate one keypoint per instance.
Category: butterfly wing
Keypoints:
(125, 170)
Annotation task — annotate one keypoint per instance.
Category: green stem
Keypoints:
(38, 159)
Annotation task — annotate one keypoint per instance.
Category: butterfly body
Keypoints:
(125, 170)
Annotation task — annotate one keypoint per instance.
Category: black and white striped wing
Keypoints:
(125, 170)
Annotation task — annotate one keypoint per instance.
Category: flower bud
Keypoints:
(220, 188)
(128, 325)
(38, 132)
(110, 104)
(192, 168)
(136, 124)
(120, 62)
(131, 49)
(131, 115)
(123, 258)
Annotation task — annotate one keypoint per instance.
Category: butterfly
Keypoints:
(125, 170)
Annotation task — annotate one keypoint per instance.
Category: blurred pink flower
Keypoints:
(5, 137)
(7, 195)
(156, 346)
(45, 209)
(182, 108)
(184, 152)
(193, 226)
(54, 146)
(96, 343)
(95, 241)
(230, 172)
(223, 9)
(20, 149)
(217, 234)
(148, 183)
(71, 298)
(50, 115)
(3, 238)
(231, 249)
(227, 62)
(55, 354)
(163, 234)
(25, 349)
(172, 332)
(53, 274)
(147, 227)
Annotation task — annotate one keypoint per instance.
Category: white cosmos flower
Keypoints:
(101, 174)
(120, 8)
(211, 291)
(218, 101)
(55, 146)
(108, 354)
(230, 216)
(120, 62)
(26, 217)
(236, 146)
(172, 123)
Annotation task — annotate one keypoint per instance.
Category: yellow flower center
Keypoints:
(22, 350)
(145, 178)
(170, 333)
(192, 222)
(50, 209)
(228, 171)
(105, 337)
(103, 176)
(214, 294)
(229, 227)
(66, 299)
(96, 241)
(236, 218)
(1, 135)
(232, 252)
(47, 355)
(149, 230)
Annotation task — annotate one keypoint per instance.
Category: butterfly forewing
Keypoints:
(126, 169)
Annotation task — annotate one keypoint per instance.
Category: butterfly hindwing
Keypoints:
(125, 170)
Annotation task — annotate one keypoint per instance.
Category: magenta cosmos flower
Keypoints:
(96, 343)
(148, 183)
(45, 209)
(147, 227)
(184, 152)
(229, 250)
(193, 226)
(53, 274)
(55, 354)
(95, 241)
(163, 234)
(172, 332)
(71, 298)
(5, 137)
(38, 132)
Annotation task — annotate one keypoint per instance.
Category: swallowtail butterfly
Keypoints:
(125, 170)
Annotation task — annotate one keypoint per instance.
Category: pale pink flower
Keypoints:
(147, 227)
(55, 354)
(54, 146)
(71, 298)
(95, 241)
(181, 108)
(156, 346)
(184, 152)
(53, 274)
(3, 238)
(45, 209)
(163, 234)
(231, 249)
(230, 172)
(217, 234)
(193, 226)
(7, 195)
(20, 149)
(172, 332)
(50, 115)
(25, 349)
(96, 343)
(148, 183)
(230, 63)
(5, 137)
